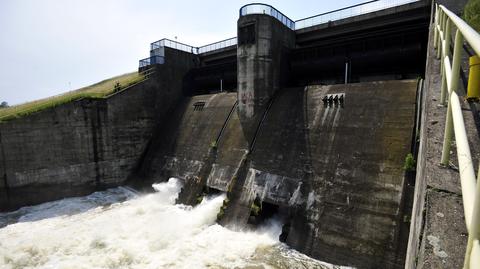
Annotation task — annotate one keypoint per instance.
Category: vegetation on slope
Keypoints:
(97, 90)
(471, 14)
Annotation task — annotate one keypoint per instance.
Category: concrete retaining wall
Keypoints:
(88, 143)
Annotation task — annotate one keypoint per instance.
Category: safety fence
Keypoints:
(155, 59)
(257, 8)
(351, 11)
(172, 44)
(445, 21)
(217, 45)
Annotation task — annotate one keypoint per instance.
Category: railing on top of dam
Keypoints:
(258, 8)
(334, 15)
(351, 11)
(195, 50)
(445, 20)
(165, 42)
(217, 45)
(156, 59)
(158, 56)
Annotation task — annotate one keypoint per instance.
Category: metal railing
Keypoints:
(258, 8)
(342, 13)
(172, 44)
(351, 11)
(156, 59)
(445, 20)
(217, 45)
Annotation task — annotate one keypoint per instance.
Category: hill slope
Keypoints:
(97, 90)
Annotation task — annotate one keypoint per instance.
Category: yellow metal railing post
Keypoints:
(448, 28)
(440, 24)
(443, 26)
(447, 138)
(445, 46)
(455, 125)
(457, 59)
(474, 231)
(435, 31)
(473, 90)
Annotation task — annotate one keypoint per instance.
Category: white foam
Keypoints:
(147, 231)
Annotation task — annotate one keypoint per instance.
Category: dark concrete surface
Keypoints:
(339, 170)
(85, 144)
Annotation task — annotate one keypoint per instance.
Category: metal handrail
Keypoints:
(165, 42)
(144, 62)
(155, 59)
(217, 45)
(158, 57)
(259, 8)
(346, 12)
(444, 20)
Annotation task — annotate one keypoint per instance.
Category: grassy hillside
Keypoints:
(97, 90)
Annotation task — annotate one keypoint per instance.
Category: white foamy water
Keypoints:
(119, 229)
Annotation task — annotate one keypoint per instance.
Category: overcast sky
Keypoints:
(51, 46)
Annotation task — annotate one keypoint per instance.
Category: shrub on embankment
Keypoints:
(98, 90)
(471, 14)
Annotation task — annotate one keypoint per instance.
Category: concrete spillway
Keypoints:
(336, 168)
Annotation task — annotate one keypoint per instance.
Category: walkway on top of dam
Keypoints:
(309, 31)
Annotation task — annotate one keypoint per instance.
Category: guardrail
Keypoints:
(156, 59)
(160, 58)
(258, 8)
(351, 11)
(172, 44)
(444, 21)
(217, 45)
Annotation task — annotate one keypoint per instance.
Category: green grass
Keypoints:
(95, 91)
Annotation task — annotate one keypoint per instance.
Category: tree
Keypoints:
(471, 14)
(3, 104)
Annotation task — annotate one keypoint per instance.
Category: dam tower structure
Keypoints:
(265, 37)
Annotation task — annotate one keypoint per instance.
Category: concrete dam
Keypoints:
(309, 121)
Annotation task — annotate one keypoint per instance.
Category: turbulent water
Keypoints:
(118, 228)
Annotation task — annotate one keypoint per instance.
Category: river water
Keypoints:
(119, 228)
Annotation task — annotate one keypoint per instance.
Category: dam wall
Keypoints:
(337, 169)
(80, 146)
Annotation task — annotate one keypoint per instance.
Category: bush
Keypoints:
(256, 207)
(255, 210)
(200, 198)
(471, 14)
(117, 87)
(222, 209)
(409, 165)
(213, 144)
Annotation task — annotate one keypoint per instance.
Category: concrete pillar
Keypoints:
(263, 46)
